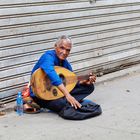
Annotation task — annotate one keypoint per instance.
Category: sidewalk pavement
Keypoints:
(119, 96)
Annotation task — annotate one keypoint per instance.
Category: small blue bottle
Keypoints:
(19, 104)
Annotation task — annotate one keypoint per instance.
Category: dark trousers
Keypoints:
(79, 93)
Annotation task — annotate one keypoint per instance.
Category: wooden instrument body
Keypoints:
(42, 87)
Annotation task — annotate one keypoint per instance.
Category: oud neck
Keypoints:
(83, 77)
(71, 79)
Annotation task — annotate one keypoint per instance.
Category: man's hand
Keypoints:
(69, 98)
(92, 79)
(73, 101)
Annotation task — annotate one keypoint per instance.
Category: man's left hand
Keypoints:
(92, 79)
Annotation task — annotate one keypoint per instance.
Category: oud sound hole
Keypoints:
(63, 79)
(47, 83)
(54, 92)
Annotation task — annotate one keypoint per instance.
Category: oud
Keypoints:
(42, 87)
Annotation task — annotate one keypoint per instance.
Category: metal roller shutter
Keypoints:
(106, 36)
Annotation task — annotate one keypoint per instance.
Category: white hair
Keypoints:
(63, 37)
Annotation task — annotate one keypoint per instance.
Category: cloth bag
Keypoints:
(87, 110)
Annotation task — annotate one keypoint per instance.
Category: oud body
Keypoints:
(42, 87)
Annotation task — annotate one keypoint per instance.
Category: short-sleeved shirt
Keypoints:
(47, 62)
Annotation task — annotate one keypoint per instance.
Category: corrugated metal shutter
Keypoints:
(106, 35)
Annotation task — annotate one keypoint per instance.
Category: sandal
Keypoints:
(30, 107)
(29, 110)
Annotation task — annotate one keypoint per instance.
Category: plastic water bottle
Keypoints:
(19, 104)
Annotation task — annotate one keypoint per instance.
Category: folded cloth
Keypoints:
(87, 110)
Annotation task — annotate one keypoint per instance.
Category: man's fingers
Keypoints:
(76, 104)
(92, 78)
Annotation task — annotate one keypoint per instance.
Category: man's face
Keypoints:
(63, 49)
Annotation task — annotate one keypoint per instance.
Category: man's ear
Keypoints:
(55, 45)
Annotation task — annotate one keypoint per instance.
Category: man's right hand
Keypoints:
(69, 98)
(73, 101)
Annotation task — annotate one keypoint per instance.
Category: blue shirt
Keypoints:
(47, 62)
